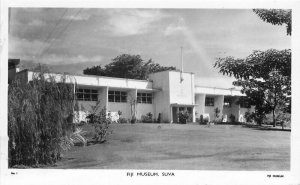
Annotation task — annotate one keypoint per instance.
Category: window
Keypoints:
(87, 94)
(144, 98)
(244, 103)
(227, 101)
(209, 101)
(117, 96)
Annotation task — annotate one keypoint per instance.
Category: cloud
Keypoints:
(132, 22)
(36, 22)
(25, 46)
(175, 28)
(54, 59)
(32, 51)
(79, 17)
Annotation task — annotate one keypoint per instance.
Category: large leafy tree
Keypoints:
(265, 77)
(276, 17)
(127, 66)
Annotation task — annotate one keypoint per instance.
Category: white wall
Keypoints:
(181, 92)
(200, 104)
(161, 98)
(86, 106)
(118, 106)
(218, 103)
(143, 109)
(234, 109)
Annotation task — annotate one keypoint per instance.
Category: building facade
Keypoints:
(163, 95)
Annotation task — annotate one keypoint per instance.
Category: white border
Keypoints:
(42, 176)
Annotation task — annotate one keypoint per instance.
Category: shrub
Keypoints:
(249, 116)
(159, 118)
(218, 120)
(133, 120)
(122, 120)
(147, 118)
(283, 119)
(100, 121)
(217, 112)
(203, 120)
(183, 117)
(101, 126)
(232, 118)
(119, 113)
(39, 117)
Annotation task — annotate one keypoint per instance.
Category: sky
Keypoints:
(72, 39)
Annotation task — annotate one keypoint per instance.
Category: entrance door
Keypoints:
(175, 114)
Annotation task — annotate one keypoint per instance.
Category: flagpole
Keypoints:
(181, 71)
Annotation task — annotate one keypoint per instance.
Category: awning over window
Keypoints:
(183, 105)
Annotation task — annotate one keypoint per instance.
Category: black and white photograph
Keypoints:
(150, 92)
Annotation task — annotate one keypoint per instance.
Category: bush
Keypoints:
(101, 126)
(250, 117)
(203, 120)
(232, 118)
(218, 120)
(148, 118)
(159, 118)
(100, 121)
(123, 120)
(284, 119)
(40, 115)
(183, 117)
(217, 112)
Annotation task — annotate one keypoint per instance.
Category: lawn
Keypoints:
(183, 147)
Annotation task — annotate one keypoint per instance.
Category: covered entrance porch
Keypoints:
(177, 108)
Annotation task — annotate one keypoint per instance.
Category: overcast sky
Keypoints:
(72, 39)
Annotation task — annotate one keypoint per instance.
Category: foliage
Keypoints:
(249, 116)
(119, 112)
(217, 112)
(92, 116)
(148, 118)
(100, 121)
(183, 117)
(101, 126)
(75, 137)
(265, 77)
(133, 109)
(123, 120)
(276, 17)
(127, 66)
(284, 119)
(159, 118)
(232, 118)
(39, 118)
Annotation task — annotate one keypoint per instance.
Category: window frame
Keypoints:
(118, 96)
(88, 94)
(229, 102)
(144, 98)
(208, 103)
(244, 103)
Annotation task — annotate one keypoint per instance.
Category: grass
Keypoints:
(183, 147)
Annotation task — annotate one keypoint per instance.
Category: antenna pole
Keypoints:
(181, 49)
(181, 71)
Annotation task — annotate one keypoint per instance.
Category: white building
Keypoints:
(165, 93)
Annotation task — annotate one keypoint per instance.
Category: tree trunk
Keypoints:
(274, 119)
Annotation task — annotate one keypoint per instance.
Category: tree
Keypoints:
(127, 66)
(265, 77)
(276, 17)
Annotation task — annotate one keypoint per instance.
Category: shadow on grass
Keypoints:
(266, 128)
